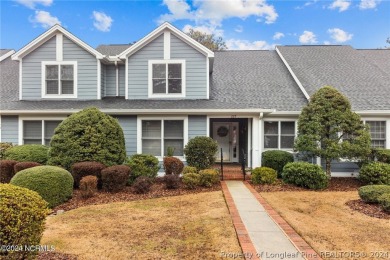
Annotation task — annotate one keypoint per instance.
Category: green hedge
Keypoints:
(28, 153)
(375, 173)
(305, 175)
(276, 160)
(22, 220)
(142, 165)
(371, 193)
(384, 200)
(200, 152)
(263, 175)
(54, 184)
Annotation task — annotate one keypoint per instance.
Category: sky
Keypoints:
(243, 24)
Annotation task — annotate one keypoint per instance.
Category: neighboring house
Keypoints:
(167, 88)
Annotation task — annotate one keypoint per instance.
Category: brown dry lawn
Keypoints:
(329, 226)
(196, 226)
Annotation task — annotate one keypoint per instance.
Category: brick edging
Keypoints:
(307, 251)
(242, 234)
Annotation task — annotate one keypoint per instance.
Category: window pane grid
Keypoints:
(279, 135)
(378, 133)
(167, 78)
(59, 79)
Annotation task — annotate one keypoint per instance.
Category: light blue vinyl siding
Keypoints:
(337, 166)
(196, 68)
(197, 126)
(31, 69)
(129, 126)
(110, 81)
(87, 69)
(9, 129)
(138, 67)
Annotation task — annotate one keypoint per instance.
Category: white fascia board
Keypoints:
(373, 112)
(157, 32)
(293, 74)
(47, 35)
(5, 56)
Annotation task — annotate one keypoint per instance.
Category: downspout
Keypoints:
(117, 78)
(260, 133)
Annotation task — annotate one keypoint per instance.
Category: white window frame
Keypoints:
(139, 133)
(279, 133)
(386, 130)
(167, 95)
(21, 125)
(59, 63)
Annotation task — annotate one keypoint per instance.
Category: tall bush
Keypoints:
(200, 152)
(88, 135)
(28, 153)
(276, 159)
(22, 220)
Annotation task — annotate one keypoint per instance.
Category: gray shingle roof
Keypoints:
(112, 49)
(378, 57)
(4, 51)
(366, 86)
(9, 81)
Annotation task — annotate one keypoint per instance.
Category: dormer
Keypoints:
(167, 64)
(58, 65)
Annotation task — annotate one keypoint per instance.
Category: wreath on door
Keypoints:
(222, 131)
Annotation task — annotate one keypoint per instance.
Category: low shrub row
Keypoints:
(28, 153)
(378, 194)
(375, 173)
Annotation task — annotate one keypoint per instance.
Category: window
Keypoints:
(158, 135)
(167, 78)
(279, 135)
(38, 131)
(378, 133)
(59, 79)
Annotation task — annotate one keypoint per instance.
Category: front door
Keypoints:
(226, 135)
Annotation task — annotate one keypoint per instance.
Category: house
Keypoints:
(167, 88)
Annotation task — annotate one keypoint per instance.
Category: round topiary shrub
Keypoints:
(384, 200)
(173, 165)
(208, 177)
(305, 175)
(22, 220)
(54, 184)
(371, 193)
(263, 175)
(375, 173)
(276, 160)
(7, 170)
(114, 178)
(25, 165)
(88, 135)
(81, 169)
(191, 180)
(200, 152)
(28, 153)
(142, 165)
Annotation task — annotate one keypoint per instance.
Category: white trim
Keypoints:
(207, 78)
(388, 134)
(21, 79)
(5, 56)
(99, 79)
(208, 134)
(139, 132)
(23, 118)
(117, 78)
(167, 95)
(157, 32)
(48, 35)
(59, 47)
(167, 45)
(127, 79)
(293, 74)
(43, 79)
(256, 140)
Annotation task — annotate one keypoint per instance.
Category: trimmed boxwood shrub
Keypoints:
(88, 186)
(28, 153)
(54, 184)
(383, 155)
(4, 147)
(114, 178)
(191, 180)
(88, 135)
(173, 165)
(172, 181)
(305, 175)
(208, 177)
(375, 173)
(7, 170)
(276, 160)
(200, 152)
(263, 175)
(142, 165)
(142, 184)
(384, 200)
(371, 193)
(22, 220)
(189, 169)
(25, 165)
(81, 169)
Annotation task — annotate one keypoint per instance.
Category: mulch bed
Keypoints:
(157, 190)
(372, 210)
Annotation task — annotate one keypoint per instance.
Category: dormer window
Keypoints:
(166, 78)
(59, 79)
